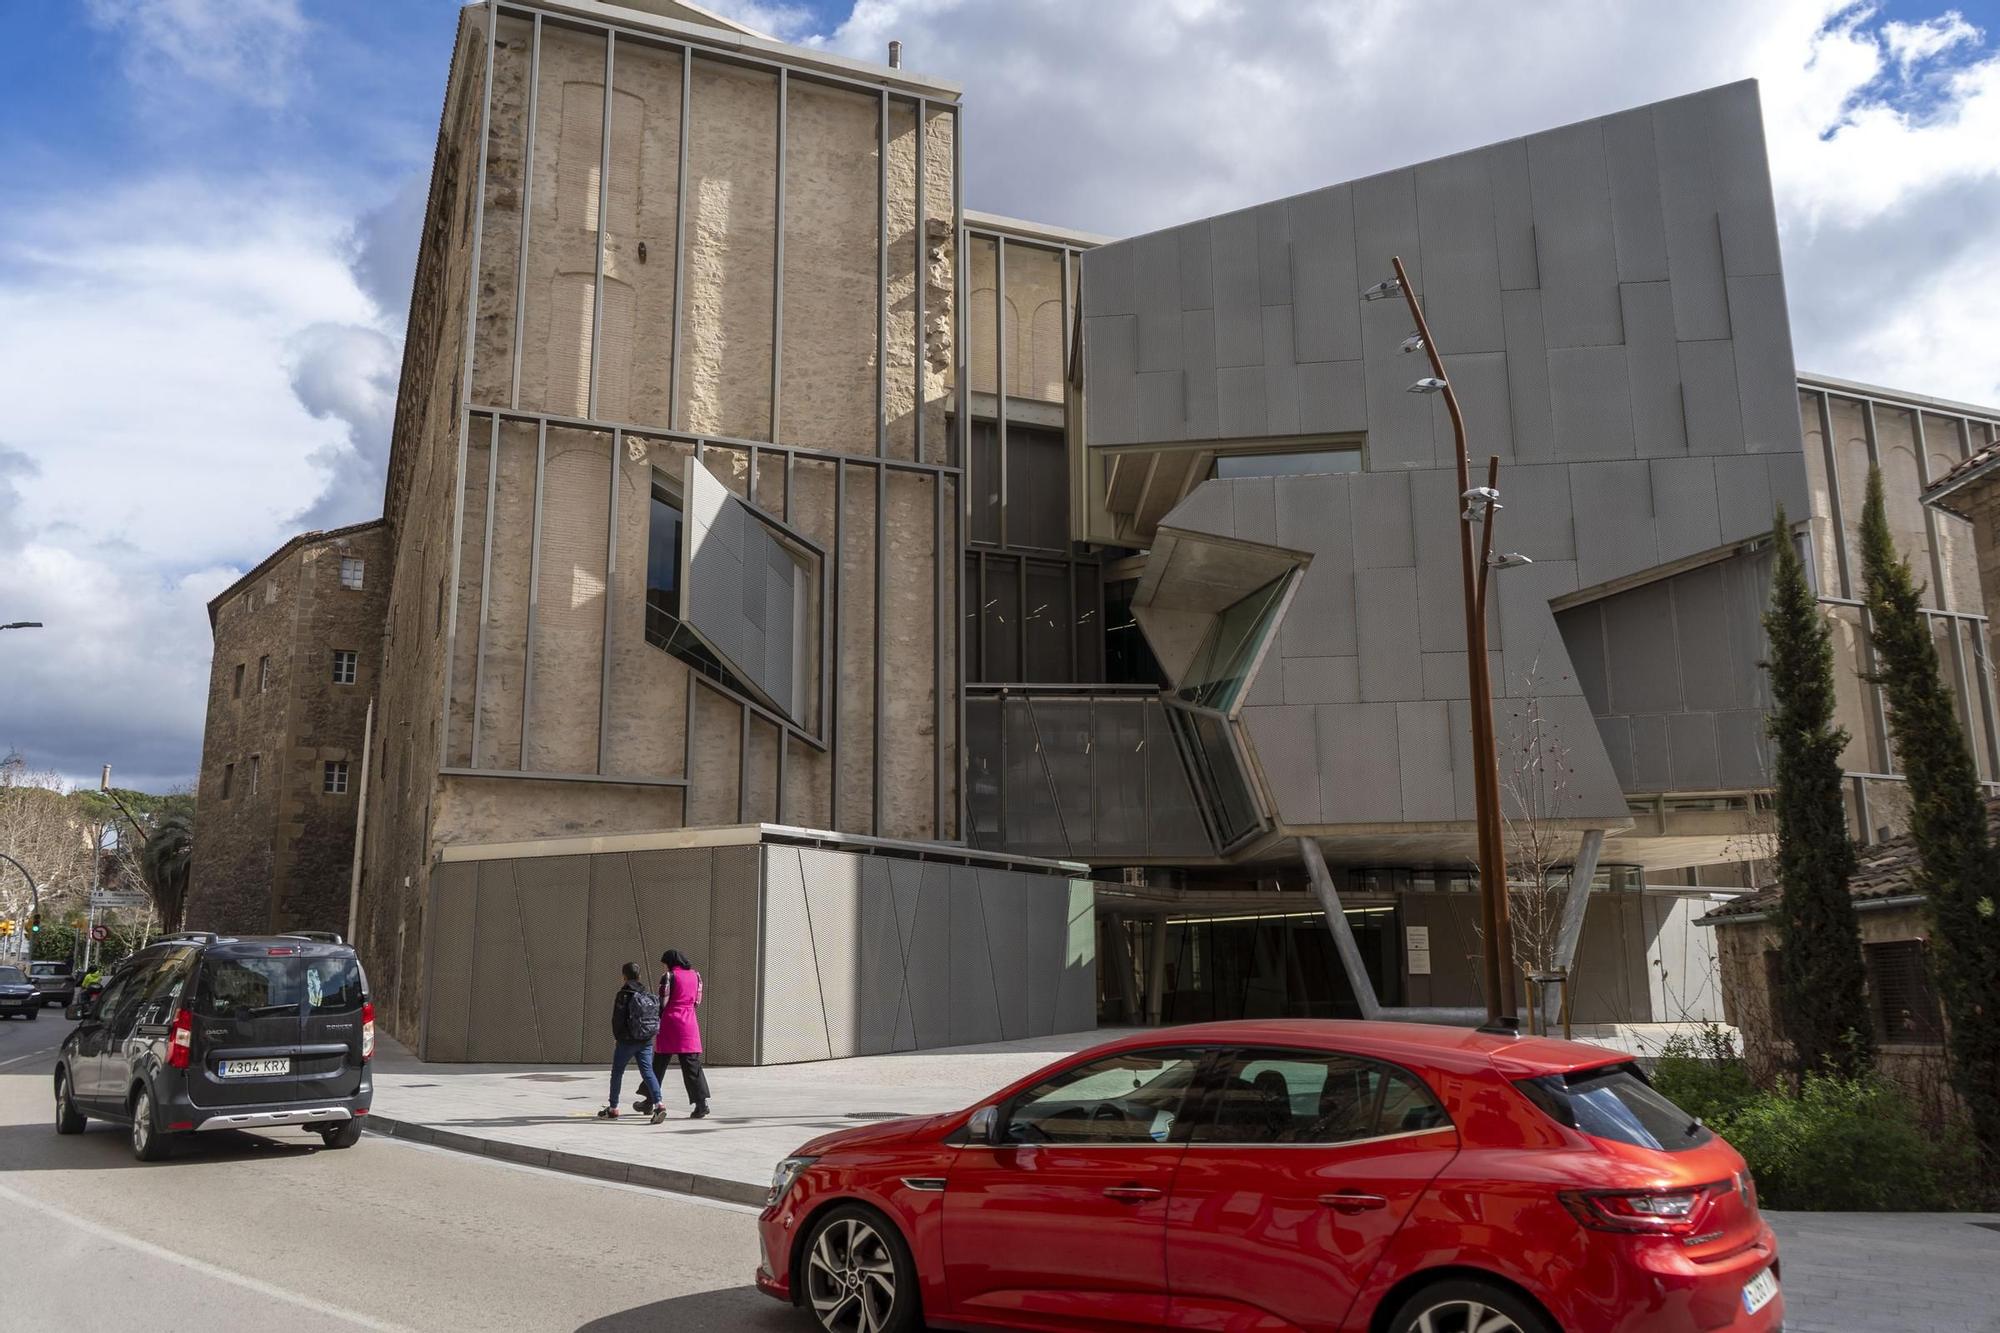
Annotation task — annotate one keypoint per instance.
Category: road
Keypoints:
(269, 1230)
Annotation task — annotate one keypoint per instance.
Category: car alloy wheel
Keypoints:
(146, 1144)
(851, 1276)
(1463, 1317)
(69, 1120)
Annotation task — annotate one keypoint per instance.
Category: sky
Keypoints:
(211, 213)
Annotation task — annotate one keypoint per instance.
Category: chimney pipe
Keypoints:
(895, 55)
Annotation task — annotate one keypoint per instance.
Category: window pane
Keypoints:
(1217, 674)
(1615, 1104)
(1288, 465)
(1307, 1097)
(663, 555)
(1129, 1098)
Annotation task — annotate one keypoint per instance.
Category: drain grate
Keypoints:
(552, 1078)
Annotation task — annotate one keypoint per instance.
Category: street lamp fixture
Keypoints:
(1481, 503)
(1511, 560)
(22, 624)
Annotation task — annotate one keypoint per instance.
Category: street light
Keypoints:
(22, 624)
(1481, 504)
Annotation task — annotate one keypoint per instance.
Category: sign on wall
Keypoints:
(1417, 950)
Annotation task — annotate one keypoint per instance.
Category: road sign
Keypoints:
(106, 899)
(100, 933)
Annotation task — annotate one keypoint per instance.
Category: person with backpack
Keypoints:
(680, 1035)
(635, 1022)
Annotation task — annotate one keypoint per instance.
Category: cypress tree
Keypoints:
(1958, 872)
(1822, 998)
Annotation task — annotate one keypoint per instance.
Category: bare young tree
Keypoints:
(42, 829)
(1536, 780)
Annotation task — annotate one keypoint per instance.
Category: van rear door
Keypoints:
(246, 1026)
(334, 990)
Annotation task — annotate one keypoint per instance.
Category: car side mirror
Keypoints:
(984, 1127)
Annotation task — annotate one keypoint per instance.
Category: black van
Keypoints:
(200, 1032)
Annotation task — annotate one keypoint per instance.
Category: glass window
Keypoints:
(352, 570)
(236, 683)
(228, 779)
(236, 987)
(1297, 464)
(334, 781)
(263, 673)
(1133, 1097)
(1221, 665)
(1616, 1103)
(1282, 1097)
(11, 976)
(1901, 994)
(163, 990)
(1128, 658)
(256, 766)
(344, 662)
(118, 993)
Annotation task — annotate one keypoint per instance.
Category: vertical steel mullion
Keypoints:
(837, 659)
(778, 805)
(1070, 622)
(687, 757)
(881, 598)
(1000, 705)
(1940, 593)
(465, 390)
(610, 600)
(790, 476)
(1964, 678)
(1878, 715)
(680, 249)
(882, 276)
(1833, 494)
(485, 587)
(743, 768)
(1021, 615)
(534, 589)
(1000, 378)
(960, 435)
(1071, 489)
(750, 487)
(527, 211)
(980, 629)
(921, 276)
(1976, 630)
(603, 220)
(938, 627)
(778, 261)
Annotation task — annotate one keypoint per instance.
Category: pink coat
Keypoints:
(680, 1033)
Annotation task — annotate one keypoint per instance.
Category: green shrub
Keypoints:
(1704, 1075)
(1838, 1145)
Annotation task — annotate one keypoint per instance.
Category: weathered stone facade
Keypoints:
(275, 847)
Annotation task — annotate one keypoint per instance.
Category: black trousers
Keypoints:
(692, 1077)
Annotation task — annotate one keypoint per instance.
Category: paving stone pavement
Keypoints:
(1843, 1272)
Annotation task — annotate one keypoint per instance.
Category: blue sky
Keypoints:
(203, 286)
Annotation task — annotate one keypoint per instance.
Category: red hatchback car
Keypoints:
(1260, 1177)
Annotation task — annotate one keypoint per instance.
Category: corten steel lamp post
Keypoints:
(1481, 504)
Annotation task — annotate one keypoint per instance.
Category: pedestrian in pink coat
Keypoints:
(680, 1030)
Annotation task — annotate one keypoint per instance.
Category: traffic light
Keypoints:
(34, 923)
(6, 927)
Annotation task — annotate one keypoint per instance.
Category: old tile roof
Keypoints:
(1982, 462)
(1887, 870)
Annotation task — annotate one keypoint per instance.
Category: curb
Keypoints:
(575, 1164)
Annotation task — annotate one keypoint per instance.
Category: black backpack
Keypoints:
(641, 1010)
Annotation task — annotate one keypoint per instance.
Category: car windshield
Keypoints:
(233, 987)
(11, 976)
(1616, 1103)
(49, 969)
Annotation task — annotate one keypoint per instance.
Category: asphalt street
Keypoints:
(270, 1230)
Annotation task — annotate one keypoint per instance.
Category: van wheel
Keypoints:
(148, 1144)
(344, 1135)
(34, 1013)
(1464, 1305)
(859, 1277)
(69, 1120)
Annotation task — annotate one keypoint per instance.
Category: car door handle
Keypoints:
(1349, 1201)
(1131, 1193)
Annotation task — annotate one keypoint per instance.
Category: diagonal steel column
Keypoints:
(1585, 870)
(1343, 934)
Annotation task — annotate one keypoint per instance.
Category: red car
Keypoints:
(1259, 1177)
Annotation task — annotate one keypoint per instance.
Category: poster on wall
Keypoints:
(1417, 950)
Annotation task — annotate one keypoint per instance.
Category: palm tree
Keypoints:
(164, 860)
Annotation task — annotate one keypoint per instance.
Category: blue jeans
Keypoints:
(642, 1052)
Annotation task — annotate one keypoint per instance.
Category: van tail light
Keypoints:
(180, 1040)
(368, 1030)
(1647, 1212)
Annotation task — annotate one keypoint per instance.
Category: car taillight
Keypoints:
(180, 1040)
(368, 1030)
(1650, 1212)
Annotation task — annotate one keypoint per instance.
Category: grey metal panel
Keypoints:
(1207, 508)
(1742, 176)
(1333, 395)
(1440, 582)
(1385, 225)
(1386, 625)
(551, 894)
(929, 951)
(1240, 408)
(1714, 417)
(1400, 427)
(1535, 518)
(1687, 197)
(1590, 398)
(1691, 743)
(1110, 280)
(1196, 252)
(1462, 265)
(1006, 899)
(1424, 751)
(1382, 531)
(1767, 383)
(1044, 940)
(1361, 778)
(1320, 622)
(1579, 260)
(1156, 266)
(1592, 790)
(1740, 745)
(1111, 353)
(1685, 502)
(1458, 713)
(1327, 318)
(793, 1017)
(1513, 214)
(1283, 740)
(1321, 680)
(448, 979)
(1162, 399)
(1536, 660)
(1636, 221)
(1239, 314)
(1643, 665)
(502, 1025)
(832, 883)
(732, 560)
(1616, 735)
(1714, 676)
(1614, 520)
(1651, 765)
(729, 1027)
(1281, 373)
(1654, 364)
(1076, 994)
(1746, 589)
(1743, 486)
(879, 971)
(1582, 630)
(1253, 508)
(1528, 376)
(1481, 381)
(1198, 352)
(974, 1003)
(1274, 254)
(1789, 483)
(1444, 673)
(905, 891)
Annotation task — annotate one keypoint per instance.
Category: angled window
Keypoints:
(1297, 463)
(1222, 664)
(344, 661)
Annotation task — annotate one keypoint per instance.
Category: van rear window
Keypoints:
(1615, 1102)
(241, 987)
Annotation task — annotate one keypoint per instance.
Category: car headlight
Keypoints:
(782, 1178)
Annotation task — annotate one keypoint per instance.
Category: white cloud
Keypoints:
(248, 49)
(1911, 43)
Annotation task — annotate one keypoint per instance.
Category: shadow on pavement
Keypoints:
(104, 1146)
(731, 1308)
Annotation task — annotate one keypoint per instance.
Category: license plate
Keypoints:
(255, 1068)
(1757, 1293)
